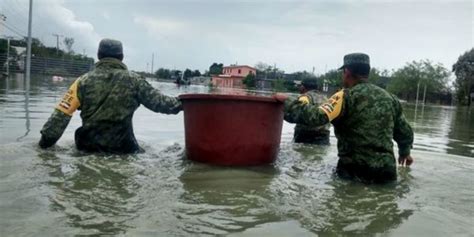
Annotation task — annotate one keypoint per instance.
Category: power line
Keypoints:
(13, 26)
(12, 30)
(14, 13)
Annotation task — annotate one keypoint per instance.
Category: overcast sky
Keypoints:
(294, 35)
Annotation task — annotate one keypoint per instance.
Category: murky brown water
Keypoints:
(63, 192)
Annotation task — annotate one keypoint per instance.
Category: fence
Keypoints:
(48, 66)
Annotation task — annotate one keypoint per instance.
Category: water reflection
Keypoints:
(442, 129)
(358, 210)
(96, 194)
(224, 200)
(307, 190)
(27, 115)
(462, 130)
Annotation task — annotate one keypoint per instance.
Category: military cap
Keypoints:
(356, 58)
(110, 47)
(310, 84)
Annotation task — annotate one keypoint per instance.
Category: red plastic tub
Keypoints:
(233, 130)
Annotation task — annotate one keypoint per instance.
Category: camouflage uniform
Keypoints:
(365, 119)
(107, 97)
(308, 134)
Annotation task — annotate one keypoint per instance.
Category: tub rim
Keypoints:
(196, 96)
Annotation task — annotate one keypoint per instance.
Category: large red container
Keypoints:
(234, 130)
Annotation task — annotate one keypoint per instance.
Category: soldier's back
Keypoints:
(310, 134)
(365, 134)
(108, 98)
(366, 128)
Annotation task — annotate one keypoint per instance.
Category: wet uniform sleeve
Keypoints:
(155, 101)
(314, 115)
(402, 132)
(54, 128)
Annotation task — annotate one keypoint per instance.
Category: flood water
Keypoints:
(64, 192)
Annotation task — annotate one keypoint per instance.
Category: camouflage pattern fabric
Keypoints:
(107, 97)
(365, 118)
(356, 58)
(308, 134)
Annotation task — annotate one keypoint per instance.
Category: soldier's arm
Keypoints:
(402, 133)
(155, 101)
(314, 115)
(54, 128)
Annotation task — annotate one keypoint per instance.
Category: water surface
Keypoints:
(62, 191)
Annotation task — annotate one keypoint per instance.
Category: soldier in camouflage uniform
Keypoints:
(307, 134)
(365, 119)
(107, 97)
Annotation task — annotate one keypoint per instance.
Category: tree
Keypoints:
(188, 73)
(464, 83)
(216, 69)
(283, 85)
(250, 81)
(196, 73)
(163, 73)
(332, 78)
(69, 42)
(262, 70)
(405, 80)
(379, 78)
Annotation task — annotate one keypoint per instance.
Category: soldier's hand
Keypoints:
(280, 97)
(405, 160)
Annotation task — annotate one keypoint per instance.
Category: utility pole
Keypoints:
(28, 50)
(8, 54)
(2, 18)
(57, 42)
(152, 61)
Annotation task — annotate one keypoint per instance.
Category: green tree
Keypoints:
(188, 73)
(250, 81)
(266, 71)
(69, 42)
(405, 80)
(332, 78)
(3, 55)
(379, 78)
(196, 73)
(464, 83)
(163, 73)
(284, 85)
(278, 85)
(216, 69)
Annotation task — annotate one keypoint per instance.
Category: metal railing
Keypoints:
(47, 66)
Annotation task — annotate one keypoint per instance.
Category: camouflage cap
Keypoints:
(110, 47)
(356, 58)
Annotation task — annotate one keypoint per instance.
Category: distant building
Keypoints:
(233, 76)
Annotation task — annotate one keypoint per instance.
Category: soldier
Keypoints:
(307, 134)
(107, 97)
(365, 119)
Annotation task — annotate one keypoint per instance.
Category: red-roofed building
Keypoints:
(233, 76)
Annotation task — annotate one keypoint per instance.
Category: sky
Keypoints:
(293, 35)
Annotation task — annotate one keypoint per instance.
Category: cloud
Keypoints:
(68, 24)
(160, 27)
(106, 15)
(53, 17)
